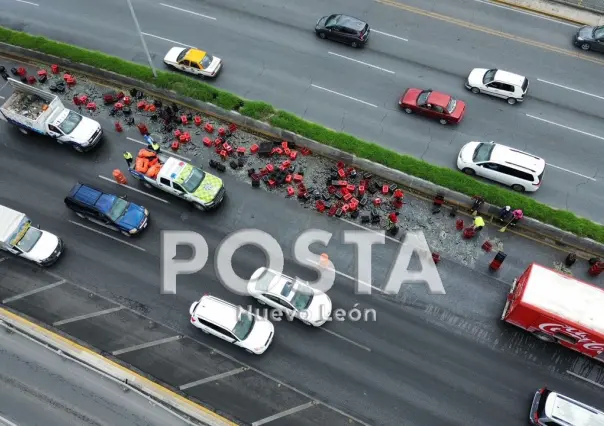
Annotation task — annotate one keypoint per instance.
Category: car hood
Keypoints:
(320, 308)
(132, 217)
(259, 335)
(173, 54)
(84, 131)
(586, 33)
(410, 96)
(45, 246)
(208, 188)
(467, 151)
(475, 77)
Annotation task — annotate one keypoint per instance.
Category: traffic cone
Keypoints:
(119, 177)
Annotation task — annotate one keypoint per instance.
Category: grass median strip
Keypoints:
(258, 110)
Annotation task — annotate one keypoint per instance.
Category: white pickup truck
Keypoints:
(203, 190)
(19, 237)
(34, 110)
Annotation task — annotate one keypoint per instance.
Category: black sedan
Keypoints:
(590, 38)
(344, 29)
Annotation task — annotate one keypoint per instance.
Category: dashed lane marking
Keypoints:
(134, 189)
(585, 379)
(339, 336)
(284, 413)
(166, 39)
(27, 2)
(34, 291)
(343, 95)
(146, 345)
(188, 11)
(553, 123)
(388, 35)
(87, 316)
(108, 236)
(571, 89)
(362, 63)
(213, 378)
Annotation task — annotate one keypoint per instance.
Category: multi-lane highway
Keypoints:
(40, 386)
(426, 360)
(270, 53)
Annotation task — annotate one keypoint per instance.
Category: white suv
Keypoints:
(509, 166)
(552, 409)
(502, 84)
(232, 323)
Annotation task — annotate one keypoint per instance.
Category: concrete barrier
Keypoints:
(535, 228)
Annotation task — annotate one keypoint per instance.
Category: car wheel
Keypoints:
(354, 44)
(586, 46)
(511, 101)
(475, 90)
(443, 121)
(518, 188)
(544, 337)
(322, 35)
(469, 171)
(408, 110)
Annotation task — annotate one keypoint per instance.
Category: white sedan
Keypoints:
(293, 297)
(193, 61)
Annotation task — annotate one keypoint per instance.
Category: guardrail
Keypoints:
(591, 5)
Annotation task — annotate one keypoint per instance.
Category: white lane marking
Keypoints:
(2, 259)
(27, 2)
(108, 236)
(339, 336)
(344, 96)
(171, 154)
(2, 97)
(534, 15)
(388, 35)
(7, 422)
(570, 171)
(571, 89)
(361, 62)
(370, 230)
(87, 316)
(188, 11)
(284, 413)
(166, 39)
(34, 291)
(585, 379)
(134, 189)
(342, 274)
(566, 127)
(213, 378)
(145, 345)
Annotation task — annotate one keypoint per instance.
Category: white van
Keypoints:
(18, 236)
(552, 409)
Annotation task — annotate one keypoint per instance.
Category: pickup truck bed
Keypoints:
(26, 105)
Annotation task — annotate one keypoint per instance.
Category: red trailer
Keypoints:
(558, 308)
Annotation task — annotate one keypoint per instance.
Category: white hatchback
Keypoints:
(500, 163)
(502, 84)
(232, 323)
(293, 297)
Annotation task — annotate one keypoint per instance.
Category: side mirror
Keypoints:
(37, 226)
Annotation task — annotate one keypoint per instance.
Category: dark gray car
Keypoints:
(344, 29)
(590, 38)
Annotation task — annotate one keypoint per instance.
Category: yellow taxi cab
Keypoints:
(193, 61)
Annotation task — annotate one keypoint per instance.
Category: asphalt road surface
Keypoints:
(427, 360)
(41, 387)
(271, 54)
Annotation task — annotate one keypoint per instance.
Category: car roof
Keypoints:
(351, 22)
(172, 168)
(559, 407)
(439, 99)
(218, 311)
(513, 157)
(85, 194)
(194, 55)
(508, 77)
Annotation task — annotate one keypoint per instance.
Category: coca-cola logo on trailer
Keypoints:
(581, 336)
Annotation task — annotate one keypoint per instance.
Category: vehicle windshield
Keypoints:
(29, 240)
(244, 326)
(193, 181)
(599, 32)
(71, 122)
(302, 299)
(483, 152)
(182, 55)
(206, 61)
(332, 20)
(451, 106)
(117, 209)
(422, 99)
(489, 76)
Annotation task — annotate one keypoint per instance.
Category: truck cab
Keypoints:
(19, 237)
(72, 128)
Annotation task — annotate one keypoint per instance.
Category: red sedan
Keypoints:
(433, 104)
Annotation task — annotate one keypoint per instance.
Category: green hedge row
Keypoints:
(193, 88)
